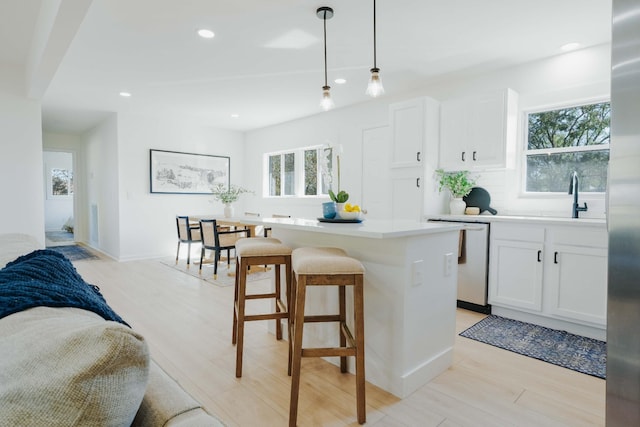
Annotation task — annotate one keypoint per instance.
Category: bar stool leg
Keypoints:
(358, 303)
(298, 325)
(242, 290)
(277, 292)
(235, 304)
(343, 323)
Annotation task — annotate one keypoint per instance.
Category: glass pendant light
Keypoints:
(326, 103)
(374, 89)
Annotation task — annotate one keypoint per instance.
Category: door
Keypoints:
(59, 197)
(376, 186)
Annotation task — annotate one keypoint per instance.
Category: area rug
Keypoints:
(561, 348)
(74, 252)
(59, 236)
(226, 277)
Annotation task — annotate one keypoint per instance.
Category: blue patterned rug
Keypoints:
(561, 348)
(74, 252)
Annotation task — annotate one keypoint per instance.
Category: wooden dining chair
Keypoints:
(218, 239)
(188, 233)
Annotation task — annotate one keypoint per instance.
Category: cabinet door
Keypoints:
(407, 194)
(454, 128)
(407, 132)
(578, 283)
(477, 131)
(515, 274)
(487, 127)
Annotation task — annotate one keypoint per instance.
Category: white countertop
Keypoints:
(377, 229)
(542, 220)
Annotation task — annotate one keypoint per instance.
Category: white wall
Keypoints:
(20, 158)
(101, 204)
(341, 126)
(574, 77)
(58, 210)
(147, 221)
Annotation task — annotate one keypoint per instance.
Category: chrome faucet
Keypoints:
(573, 189)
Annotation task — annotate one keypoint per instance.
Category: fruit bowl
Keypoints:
(349, 215)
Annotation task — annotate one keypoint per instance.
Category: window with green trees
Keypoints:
(565, 140)
(309, 166)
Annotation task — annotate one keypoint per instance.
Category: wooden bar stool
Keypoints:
(259, 251)
(327, 267)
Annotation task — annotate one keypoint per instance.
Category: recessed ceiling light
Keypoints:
(235, 116)
(340, 81)
(125, 94)
(206, 34)
(570, 46)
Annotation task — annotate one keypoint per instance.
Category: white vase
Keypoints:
(339, 208)
(457, 206)
(228, 210)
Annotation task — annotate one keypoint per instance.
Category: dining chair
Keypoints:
(218, 239)
(188, 233)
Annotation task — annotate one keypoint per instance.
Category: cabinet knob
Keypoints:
(463, 156)
(555, 257)
(418, 156)
(474, 156)
(539, 256)
(418, 182)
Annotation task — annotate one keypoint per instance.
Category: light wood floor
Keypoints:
(187, 324)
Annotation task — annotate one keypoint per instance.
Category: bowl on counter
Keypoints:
(350, 215)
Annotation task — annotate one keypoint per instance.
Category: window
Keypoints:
(562, 141)
(61, 182)
(302, 172)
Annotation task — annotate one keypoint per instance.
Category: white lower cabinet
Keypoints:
(515, 267)
(558, 272)
(577, 276)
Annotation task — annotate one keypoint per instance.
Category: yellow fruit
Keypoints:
(347, 207)
(356, 208)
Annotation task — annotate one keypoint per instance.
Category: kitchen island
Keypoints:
(409, 291)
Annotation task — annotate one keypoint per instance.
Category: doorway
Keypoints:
(59, 198)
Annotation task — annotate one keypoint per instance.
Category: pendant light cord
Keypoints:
(374, 35)
(325, 47)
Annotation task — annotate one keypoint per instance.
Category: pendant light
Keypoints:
(326, 103)
(374, 89)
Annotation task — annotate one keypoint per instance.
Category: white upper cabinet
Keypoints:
(477, 132)
(412, 123)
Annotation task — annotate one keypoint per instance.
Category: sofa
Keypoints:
(62, 364)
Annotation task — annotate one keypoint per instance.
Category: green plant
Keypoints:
(459, 183)
(341, 197)
(221, 193)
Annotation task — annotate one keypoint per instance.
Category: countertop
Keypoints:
(377, 229)
(542, 220)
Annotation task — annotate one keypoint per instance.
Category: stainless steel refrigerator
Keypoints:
(623, 213)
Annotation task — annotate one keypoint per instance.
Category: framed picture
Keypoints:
(173, 172)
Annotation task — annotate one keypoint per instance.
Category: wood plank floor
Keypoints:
(187, 323)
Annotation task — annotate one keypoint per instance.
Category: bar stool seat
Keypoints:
(327, 267)
(259, 251)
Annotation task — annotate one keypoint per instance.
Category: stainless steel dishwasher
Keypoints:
(473, 262)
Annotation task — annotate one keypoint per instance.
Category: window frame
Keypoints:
(299, 173)
(525, 152)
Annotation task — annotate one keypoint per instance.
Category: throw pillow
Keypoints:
(68, 366)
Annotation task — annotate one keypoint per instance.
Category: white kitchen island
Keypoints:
(409, 290)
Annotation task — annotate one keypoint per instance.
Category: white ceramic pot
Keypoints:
(457, 206)
(228, 210)
(339, 209)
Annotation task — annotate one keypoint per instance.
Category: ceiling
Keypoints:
(265, 63)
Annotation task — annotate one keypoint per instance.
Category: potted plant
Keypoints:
(228, 196)
(459, 185)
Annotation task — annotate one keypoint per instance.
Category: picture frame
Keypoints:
(174, 172)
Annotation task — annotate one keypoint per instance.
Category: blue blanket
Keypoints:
(47, 278)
